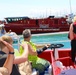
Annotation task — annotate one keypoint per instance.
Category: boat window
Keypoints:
(17, 19)
(9, 20)
(14, 19)
(21, 18)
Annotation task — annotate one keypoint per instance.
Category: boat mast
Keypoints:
(70, 7)
(71, 14)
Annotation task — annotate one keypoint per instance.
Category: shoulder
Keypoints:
(71, 26)
(24, 44)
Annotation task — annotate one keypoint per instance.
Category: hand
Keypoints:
(9, 46)
(48, 45)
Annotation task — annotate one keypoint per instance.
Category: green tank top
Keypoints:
(37, 63)
(32, 58)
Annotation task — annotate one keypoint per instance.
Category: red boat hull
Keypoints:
(19, 30)
(42, 25)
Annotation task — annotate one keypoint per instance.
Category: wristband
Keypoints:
(11, 52)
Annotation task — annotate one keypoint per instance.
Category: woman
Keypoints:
(7, 67)
(4, 51)
(72, 37)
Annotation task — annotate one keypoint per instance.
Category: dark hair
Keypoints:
(26, 33)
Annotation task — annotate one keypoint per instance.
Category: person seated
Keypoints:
(6, 69)
(2, 30)
(37, 63)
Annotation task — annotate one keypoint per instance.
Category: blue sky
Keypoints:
(35, 8)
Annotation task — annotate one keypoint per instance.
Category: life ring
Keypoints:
(53, 46)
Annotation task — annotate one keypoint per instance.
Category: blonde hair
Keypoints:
(74, 19)
(5, 38)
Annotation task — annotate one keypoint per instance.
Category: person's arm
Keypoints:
(38, 51)
(10, 58)
(24, 56)
(9, 62)
(31, 50)
(39, 45)
(71, 34)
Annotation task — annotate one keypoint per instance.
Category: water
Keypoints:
(58, 38)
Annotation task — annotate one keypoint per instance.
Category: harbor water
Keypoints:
(49, 38)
